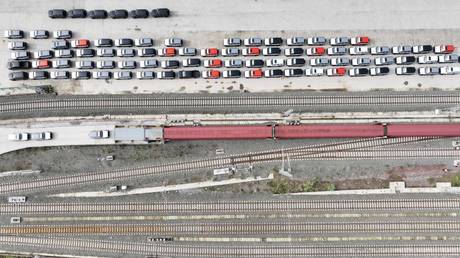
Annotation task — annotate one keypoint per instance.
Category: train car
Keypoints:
(329, 131)
(17, 199)
(217, 132)
(423, 130)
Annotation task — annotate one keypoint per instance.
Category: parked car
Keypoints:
(147, 52)
(126, 52)
(18, 65)
(422, 49)
(251, 51)
(271, 51)
(102, 75)
(18, 136)
(405, 70)
(20, 55)
(295, 41)
(427, 59)
(59, 75)
(80, 43)
(295, 62)
(377, 71)
(209, 52)
(232, 42)
(233, 63)
(39, 34)
(14, 34)
(61, 63)
(103, 42)
(401, 50)
(319, 61)
(77, 13)
(41, 136)
(404, 60)
(231, 51)
(359, 50)
(62, 34)
(255, 63)
(444, 49)
(336, 51)
(316, 51)
(361, 61)
(118, 14)
(296, 51)
(191, 62)
(124, 42)
(84, 64)
(314, 72)
(273, 73)
(85, 52)
(173, 42)
(187, 51)
(189, 74)
(451, 58)
(337, 71)
(380, 50)
(60, 44)
(316, 41)
(295, 72)
(166, 75)
(211, 74)
(275, 62)
(39, 75)
(128, 64)
(18, 76)
(43, 54)
(81, 75)
(160, 13)
(139, 14)
(449, 70)
(106, 52)
(170, 64)
(169, 51)
(275, 41)
(212, 63)
(385, 60)
(41, 64)
(143, 42)
(57, 14)
(360, 40)
(428, 70)
(122, 75)
(64, 53)
(99, 134)
(231, 74)
(17, 45)
(145, 75)
(253, 74)
(339, 41)
(97, 14)
(357, 72)
(151, 63)
(253, 42)
(340, 61)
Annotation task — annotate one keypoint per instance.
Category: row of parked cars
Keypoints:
(215, 74)
(103, 14)
(40, 136)
(297, 41)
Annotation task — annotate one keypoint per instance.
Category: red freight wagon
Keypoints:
(216, 132)
(329, 131)
(423, 130)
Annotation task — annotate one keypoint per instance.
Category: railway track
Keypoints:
(227, 161)
(238, 228)
(116, 102)
(234, 207)
(430, 249)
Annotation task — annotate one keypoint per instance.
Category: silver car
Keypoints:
(230, 51)
(43, 54)
(253, 42)
(361, 61)
(316, 41)
(61, 63)
(106, 52)
(102, 75)
(145, 75)
(126, 52)
(83, 64)
(336, 51)
(64, 53)
(173, 42)
(105, 64)
(39, 34)
(187, 51)
(127, 64)
(339, 41)
(233, 63)
(20, 55)
(14, 34)
(143, 42)
(151, 63)
(295, 41)
(17, 45)
(232, 42)
(59, 75)
(122, 75)
(62, 34)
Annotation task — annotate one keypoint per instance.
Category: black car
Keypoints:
(189, 74)
(170, 64)
(57, 13)
(296, 62)
(124, 42)
(276, 41)
(97, 14)
(77, 13)
(271, 51)
(118, 14)
(16, 76)
(139, 13)
(160, 12)
(231, 74)
(255, 63)
(103, 42)
(404, 60)
(191, 62)
(147, 52)
(17, 65)
(86, 52)
(166, 75)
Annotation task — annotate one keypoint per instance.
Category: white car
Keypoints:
(449, 70)
(18, 136)
(359, 50)
(102, 134)
(314, 71)
(275, 62)
(427, 59)
(173, 42)
(187, 51)
(429, 70)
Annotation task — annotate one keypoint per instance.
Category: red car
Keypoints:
(212, 63)
(360, 40)
(210, 74)
(210, 52)
(444, 49)
(316, 51)
(169, 51)
(80, 43)
(251, 51)
(339, 71)
(41, 64)
(256, 73)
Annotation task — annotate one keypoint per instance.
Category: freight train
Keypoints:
(241, 132)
